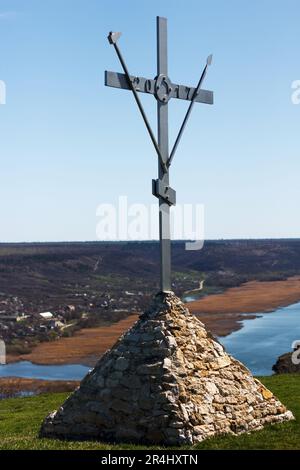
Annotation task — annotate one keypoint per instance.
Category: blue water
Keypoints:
(28, 370)
(260, 341)
(21, 394)
(190, 298)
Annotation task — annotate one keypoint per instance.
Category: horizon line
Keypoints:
(146, 241)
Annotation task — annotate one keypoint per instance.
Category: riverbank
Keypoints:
(16, 386)
(221, 313)
(285, 364)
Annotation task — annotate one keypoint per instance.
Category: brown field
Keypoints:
(10, 386)
(221, 314)
(85, 347)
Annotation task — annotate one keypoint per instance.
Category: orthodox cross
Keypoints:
(163, 89)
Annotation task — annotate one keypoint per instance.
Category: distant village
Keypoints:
(50, 292)
(24, 324)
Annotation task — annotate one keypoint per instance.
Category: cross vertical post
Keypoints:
(163, 143)
(163, 90)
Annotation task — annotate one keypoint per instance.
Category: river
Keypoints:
(26, 369)
(260, 341)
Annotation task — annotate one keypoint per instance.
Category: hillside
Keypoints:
(93, 284)
(21, 418)
(55, 269)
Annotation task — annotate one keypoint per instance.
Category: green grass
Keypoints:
(20, 419)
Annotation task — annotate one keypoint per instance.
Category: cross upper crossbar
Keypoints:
(146, 85)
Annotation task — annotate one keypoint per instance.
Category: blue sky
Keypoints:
(68, 143)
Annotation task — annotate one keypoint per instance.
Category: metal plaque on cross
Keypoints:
(163, 90)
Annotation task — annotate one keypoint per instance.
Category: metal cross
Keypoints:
(163, 89)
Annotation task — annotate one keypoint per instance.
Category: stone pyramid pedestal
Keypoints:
(166, 381)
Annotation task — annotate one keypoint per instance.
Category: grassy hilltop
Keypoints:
(20, 419)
